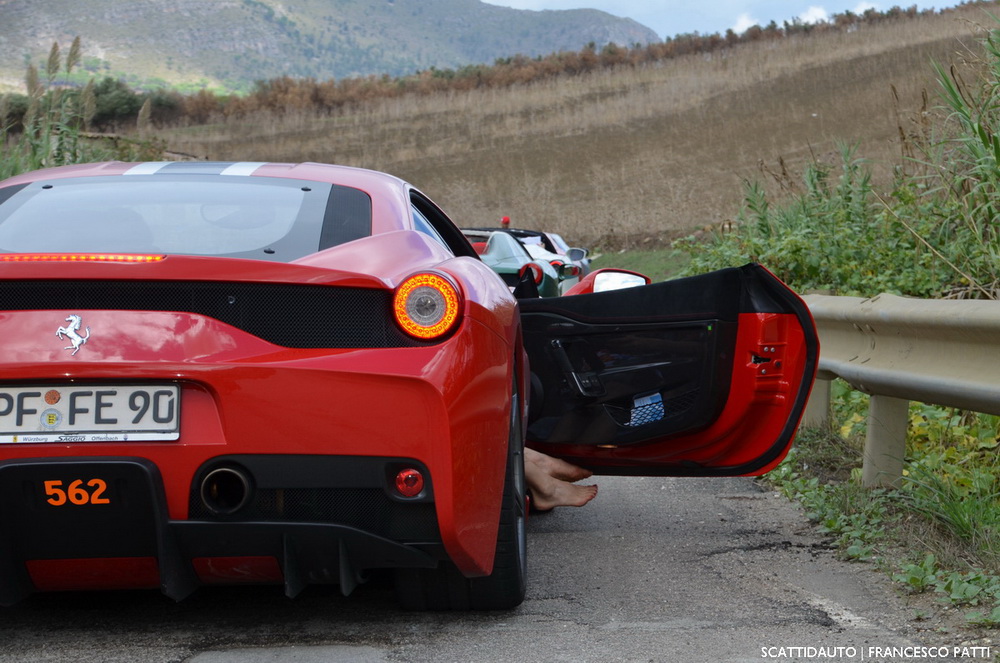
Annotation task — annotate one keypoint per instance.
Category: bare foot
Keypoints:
(556, 467)
(548, 492)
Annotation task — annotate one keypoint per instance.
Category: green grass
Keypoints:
(657, 264)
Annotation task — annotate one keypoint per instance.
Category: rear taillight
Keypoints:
(427, 306)
(565, 270)
(536, 272)
(79, 257)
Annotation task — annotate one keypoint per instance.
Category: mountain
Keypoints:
(232, 43)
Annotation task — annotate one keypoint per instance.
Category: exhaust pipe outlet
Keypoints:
(225, 490)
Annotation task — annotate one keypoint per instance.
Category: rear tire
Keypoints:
(445, 588)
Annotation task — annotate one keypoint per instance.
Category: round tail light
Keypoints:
(536, 272)
(427, 306)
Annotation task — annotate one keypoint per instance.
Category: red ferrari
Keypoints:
(217, 373)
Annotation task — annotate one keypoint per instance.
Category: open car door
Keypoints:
(701, 376)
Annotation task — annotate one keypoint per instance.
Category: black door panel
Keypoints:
(703, 375)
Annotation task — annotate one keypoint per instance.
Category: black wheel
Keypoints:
(444, 588)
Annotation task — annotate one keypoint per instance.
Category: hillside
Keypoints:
(632, 156)
(232, 43)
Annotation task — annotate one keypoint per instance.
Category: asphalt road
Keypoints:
(694, 570)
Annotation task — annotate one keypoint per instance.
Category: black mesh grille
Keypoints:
(367, 509)
(294, 316)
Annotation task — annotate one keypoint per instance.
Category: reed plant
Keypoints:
(51, 125)
(53, 130)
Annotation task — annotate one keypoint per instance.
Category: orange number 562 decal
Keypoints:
(77, 492)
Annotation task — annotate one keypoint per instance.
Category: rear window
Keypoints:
(505, 247)
(271, 219)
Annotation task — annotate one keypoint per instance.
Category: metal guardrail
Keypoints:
(899, 349)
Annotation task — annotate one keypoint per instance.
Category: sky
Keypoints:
(670, 18)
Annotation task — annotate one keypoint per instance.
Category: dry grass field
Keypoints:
(629, 158)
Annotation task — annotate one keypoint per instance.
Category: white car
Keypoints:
(569, 272)
(579, 257)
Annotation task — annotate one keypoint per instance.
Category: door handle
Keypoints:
(587, 384)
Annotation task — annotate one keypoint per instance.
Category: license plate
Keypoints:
(89, 413)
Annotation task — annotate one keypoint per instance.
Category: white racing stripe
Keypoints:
(244, 168)
(240, 169)
(147, 168)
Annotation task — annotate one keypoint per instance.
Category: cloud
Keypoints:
(817, 14)
(743, 23)
(814, 15)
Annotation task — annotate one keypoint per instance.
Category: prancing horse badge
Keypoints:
(70, 331)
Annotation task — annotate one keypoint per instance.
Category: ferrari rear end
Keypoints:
(170, 420)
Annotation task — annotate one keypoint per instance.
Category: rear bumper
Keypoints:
(443, 405)
(111, 530)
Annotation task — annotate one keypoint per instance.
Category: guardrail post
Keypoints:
(817, 414)
(885, 445)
